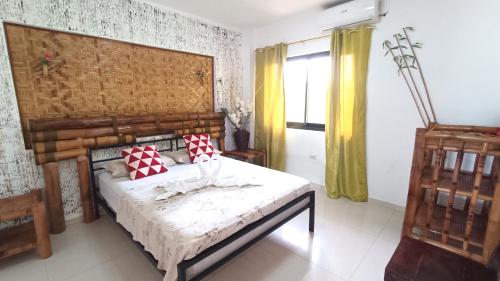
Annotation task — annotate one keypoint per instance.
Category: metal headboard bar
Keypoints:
(94, 188)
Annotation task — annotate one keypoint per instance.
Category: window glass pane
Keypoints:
(318, 79)
(295, 89)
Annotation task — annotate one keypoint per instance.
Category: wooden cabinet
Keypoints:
(251, 156)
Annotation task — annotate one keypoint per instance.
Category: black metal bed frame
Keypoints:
(183, 266)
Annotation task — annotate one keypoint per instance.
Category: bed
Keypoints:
(191, 235)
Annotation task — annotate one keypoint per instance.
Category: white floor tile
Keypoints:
(83, 246)
(27, 267)
(392, 230)
(352, 241)
(373, 266)
(263, 263)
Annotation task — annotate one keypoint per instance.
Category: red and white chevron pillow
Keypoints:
(197, 145)
(143, 161)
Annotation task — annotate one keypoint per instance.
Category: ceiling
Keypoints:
(244, 13)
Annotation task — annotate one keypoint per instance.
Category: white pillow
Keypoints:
(118, 168)
(179, 156)
(167, 161)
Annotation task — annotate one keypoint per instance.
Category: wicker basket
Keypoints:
(449, 204)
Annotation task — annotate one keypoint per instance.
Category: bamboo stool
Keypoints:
(26, 236)
(448, 205)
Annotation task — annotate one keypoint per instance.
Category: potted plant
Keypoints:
(239, 115)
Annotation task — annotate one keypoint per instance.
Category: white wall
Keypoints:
(305, 154)
(461, 62)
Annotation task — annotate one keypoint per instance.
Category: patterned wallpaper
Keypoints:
(125, 20)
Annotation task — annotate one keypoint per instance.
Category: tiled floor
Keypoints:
(353, 241)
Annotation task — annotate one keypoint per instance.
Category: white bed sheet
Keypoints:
(181, 227)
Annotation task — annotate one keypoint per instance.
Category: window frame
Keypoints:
(305, 125)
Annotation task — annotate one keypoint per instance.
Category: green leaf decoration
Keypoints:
(417, 45)
(399, 36)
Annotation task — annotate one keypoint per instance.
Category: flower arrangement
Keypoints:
(46, 59)
(239, 113)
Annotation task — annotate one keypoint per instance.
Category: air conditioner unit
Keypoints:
(350, 13)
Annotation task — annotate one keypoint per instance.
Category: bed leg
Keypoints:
(312, 204)
(93, 187)
(97, 211)
(181, 273)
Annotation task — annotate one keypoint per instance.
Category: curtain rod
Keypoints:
(318, 37)
(309, 39)
(300, 41)
(329, 35)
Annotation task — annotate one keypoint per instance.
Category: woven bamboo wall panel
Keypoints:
(96, 77)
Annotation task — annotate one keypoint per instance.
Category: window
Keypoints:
(306, 83)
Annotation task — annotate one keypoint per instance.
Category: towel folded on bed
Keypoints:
(210, 169)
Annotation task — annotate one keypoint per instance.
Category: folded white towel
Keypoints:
(209, 170)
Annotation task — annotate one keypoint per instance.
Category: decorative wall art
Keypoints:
(94, 77)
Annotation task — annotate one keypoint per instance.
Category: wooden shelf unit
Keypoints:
(27, 236)
(464, 185)
(456, 229)
(441, 155)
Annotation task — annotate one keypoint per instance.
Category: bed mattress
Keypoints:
(181, 227)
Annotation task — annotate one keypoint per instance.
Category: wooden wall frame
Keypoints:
(99, 77)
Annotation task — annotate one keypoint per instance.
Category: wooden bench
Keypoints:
(27, 236)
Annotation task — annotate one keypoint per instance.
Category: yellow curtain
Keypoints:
(270, 122)
(345, 173)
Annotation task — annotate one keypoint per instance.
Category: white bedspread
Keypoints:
(181, 227)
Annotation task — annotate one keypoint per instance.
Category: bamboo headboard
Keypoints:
(60, 139)
(92, 77)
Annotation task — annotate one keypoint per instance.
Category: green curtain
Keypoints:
(270, 122)
(345, 173)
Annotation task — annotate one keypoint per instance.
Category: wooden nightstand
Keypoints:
(27, 236)
(249, 156)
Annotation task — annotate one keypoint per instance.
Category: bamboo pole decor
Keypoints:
(472, 231)
(407, 61)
